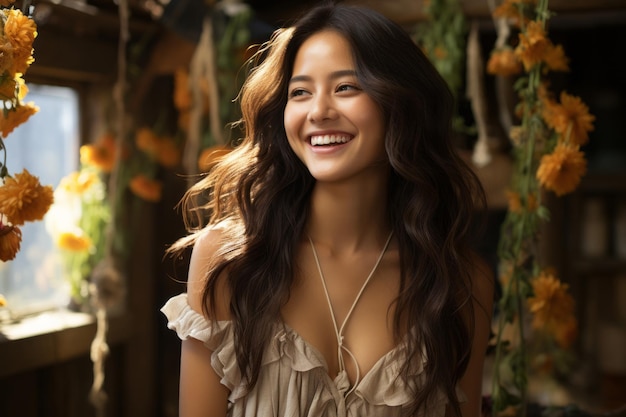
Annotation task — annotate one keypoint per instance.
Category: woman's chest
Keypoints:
(349, 324)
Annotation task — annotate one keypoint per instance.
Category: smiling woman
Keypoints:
(332, 125)
(338, 239)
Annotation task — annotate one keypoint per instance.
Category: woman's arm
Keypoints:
(201, 394)
(472, 381)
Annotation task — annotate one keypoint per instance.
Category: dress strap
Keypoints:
(339, 330)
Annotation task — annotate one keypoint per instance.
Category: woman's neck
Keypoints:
(349, 217)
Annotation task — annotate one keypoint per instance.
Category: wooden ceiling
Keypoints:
(85, 16)
(83, 34)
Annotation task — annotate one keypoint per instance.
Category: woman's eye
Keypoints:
(347, 87)
(297, 92)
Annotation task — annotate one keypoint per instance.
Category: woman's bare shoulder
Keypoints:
(203, 256)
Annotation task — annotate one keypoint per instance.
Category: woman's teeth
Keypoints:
(328, 139)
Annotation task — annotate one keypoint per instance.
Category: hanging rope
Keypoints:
(202, 68)
(106, 286)
(476, 94)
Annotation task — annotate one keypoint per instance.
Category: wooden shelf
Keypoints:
(51, 338)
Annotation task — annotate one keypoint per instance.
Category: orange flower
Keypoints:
(504, 62)
(146, 140)
(7, 87)
(182, 94)
(146, 188)
(6, 55)
(566, 332)
(571, 119)
(562, 170)
(555, 58)
(101, 154)
(168, 153)
(21, 31)
(514, 10)
(212, 155)
(532, 45)
(515, 203)
(553, 308)
(10, 239)
(24, 199)
(75, 241)
(12, 118)
(163, 149)
(518, 204)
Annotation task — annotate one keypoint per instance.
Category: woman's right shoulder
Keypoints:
(204, 255)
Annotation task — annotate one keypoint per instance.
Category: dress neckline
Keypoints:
(341, 348)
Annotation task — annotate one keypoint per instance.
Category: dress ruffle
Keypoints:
(381, 392)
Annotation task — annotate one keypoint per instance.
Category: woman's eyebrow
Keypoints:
(333, 75)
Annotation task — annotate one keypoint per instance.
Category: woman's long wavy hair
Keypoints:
(261, 190)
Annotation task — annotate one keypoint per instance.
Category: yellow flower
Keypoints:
(562, 170)
(571, 119)
(101, 154)
(10, 239)
(3, 301)
(504, 62)
(21, 31)
(532, 45)
(24, 199)
(79, 182)
(22, 88)
(75, 241)
(146, 188)
(553, 308)
(210, 156)
(12, 118)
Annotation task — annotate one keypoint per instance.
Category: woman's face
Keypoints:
(332, 125)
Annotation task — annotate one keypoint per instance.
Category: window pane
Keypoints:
(47, 146)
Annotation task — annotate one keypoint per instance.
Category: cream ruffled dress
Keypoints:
(294, 380)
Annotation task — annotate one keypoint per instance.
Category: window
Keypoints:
(47, 146)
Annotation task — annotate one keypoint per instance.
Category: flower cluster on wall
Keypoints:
(22, 197)
(548, 158)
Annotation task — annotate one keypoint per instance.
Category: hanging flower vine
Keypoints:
(547, 157)
(22, 197)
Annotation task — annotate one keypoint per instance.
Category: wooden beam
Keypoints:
(411, 11)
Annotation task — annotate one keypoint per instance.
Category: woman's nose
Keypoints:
(322, 108)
